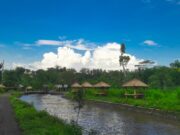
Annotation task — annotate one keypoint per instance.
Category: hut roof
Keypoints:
(135, 83)
(21, 86)
(2, 86)
(29, 87)
(76, 85)
(87, 85)
(102, 85)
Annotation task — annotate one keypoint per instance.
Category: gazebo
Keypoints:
(59, 87)
(2, 86)
(134, 84)
(20, 86)
(28, 88)
(87, 85)
(103, 86)
(75, 87)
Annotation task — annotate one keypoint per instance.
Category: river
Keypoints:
(105, 119)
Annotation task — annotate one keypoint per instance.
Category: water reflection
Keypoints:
(108, 120)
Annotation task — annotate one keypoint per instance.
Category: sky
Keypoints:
(88, 33)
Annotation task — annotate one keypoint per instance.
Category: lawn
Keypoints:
(166, 100)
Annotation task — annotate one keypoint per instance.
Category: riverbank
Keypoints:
(164, 103)
(33, 122)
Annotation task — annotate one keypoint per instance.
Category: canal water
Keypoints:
(105, 119)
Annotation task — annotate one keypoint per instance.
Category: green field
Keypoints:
(166, 100)
(33, 122)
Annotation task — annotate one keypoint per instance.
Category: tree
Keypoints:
(141, 66)
(161, 78)
(175, 64)
(79, 98)
(123, 59)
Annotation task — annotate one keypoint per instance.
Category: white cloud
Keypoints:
(102, 57)
(79, 44)
(48, 42)
(150, 43)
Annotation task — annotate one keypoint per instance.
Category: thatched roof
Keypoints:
(135, 83)
(20, 86)
(87, 85)
(2, 86)
(29, 87)
(102, 85)
(76, 85)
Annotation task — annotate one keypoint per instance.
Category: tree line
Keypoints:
(157, 77)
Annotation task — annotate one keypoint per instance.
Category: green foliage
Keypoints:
(157, 77)
(40, 123)
(175, 64)
(2, 90)
(161, 79)
(79, 98)
(167, 100)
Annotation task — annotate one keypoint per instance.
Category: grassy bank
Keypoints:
(33, 122)
(166, 100)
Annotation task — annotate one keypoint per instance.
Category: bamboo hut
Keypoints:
(21, 87)
(87, 85)
(134, 84)
(65, 87)
(2, 88)
(58, 87)
(103, 88)
(28, 88)
(61, 87)
(75, 87)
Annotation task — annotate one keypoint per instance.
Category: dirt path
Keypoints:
(8, 124)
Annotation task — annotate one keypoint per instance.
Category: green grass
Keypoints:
(34, 122)
(166, 100)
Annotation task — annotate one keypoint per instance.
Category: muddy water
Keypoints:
(105, 119)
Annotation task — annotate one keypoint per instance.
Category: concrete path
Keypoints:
(8, 124)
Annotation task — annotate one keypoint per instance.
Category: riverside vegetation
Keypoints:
(166, 100)
(161, 77)
(33, 122)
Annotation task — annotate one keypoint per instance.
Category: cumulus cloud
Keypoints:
(150, 43)
(102, 57)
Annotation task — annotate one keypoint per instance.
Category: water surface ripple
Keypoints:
(106, 119)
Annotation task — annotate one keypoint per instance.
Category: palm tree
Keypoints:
(123, 59)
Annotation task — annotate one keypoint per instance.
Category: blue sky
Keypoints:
(149, 28)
